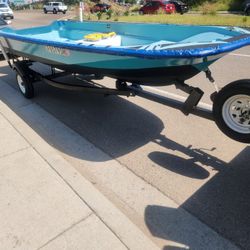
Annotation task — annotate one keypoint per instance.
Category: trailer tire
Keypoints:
(25, 86)
(231, 110)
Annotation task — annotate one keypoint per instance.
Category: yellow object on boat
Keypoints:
(98, 36)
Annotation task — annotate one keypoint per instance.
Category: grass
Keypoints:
(217, 4)
(227, 20)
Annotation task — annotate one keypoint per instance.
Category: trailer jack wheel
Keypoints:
(25, 85)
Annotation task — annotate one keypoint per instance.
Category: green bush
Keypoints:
(244, 19)
(219, 4)
(208, 9)
(126, 13)
(109, 13)
(99, 15)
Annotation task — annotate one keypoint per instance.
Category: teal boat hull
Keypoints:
(57, 45)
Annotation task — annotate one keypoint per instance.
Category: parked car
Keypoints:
(180, 7)
(55, 7)
(153, 7)
(100, 7)
(6, 11)
(247, 8)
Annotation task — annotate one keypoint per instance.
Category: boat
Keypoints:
(134, 54)
(155, 54)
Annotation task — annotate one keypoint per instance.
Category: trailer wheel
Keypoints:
(25, 86)
(231, 110)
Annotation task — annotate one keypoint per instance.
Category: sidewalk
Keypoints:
(45, 203)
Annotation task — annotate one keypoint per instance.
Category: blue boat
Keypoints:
(139, 54)
(156, 54)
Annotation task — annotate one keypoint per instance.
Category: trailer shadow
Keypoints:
(120, 126)
(188, 166)
(110, 122)
(116, 125)
(222, 204)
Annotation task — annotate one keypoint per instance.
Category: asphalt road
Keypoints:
(186, 158)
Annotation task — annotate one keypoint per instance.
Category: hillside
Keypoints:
(218, 4)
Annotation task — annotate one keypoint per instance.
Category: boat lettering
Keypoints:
(58, 51)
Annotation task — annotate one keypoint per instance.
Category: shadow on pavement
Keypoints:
(179, 165)
(185, 166)
(224, 201)
(174, 225)
(222, 204)
(120, 126)
(111, 122)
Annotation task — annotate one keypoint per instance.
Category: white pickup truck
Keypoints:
(55, 7)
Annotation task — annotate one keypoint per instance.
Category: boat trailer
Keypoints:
(27, 76)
